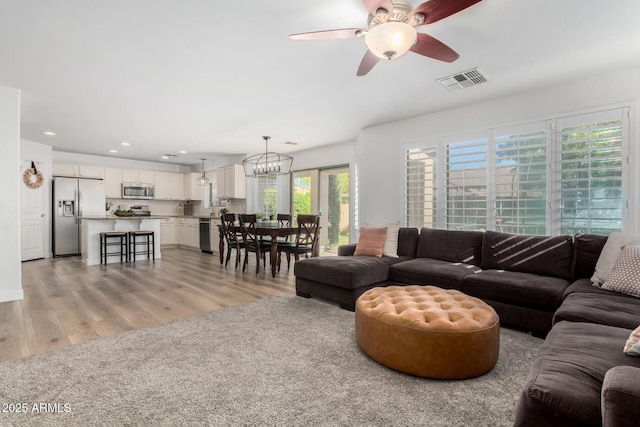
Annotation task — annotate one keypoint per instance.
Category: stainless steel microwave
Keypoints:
(136, 190)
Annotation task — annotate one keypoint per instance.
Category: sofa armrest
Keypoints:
(621, 397)
(346, 250)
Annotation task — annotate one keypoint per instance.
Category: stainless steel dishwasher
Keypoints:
(205, 235)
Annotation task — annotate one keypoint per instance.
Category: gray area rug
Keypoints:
(284, 360)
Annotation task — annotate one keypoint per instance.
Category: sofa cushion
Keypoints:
(586, 251)
(625, 277)
(620, 397)
(522, 289)
(565, 379)
(542, 255)
(391, 242)
(349, 272)
(371, 242)
(449, 245)
(585, 303)
(610, 253)
(427, 271)
(407, 242)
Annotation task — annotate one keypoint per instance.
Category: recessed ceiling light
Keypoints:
(50, 133)
(182, 152)
(113, 151)
(165, 157)
(289, 143)
(126, 144)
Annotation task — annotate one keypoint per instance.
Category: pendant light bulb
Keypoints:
(203, 180)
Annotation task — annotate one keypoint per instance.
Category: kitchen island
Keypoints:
(92, 226)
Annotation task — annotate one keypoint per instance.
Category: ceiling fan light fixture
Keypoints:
(391, 39)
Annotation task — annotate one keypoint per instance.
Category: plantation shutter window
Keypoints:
(520, 178)
(591, 172)
(466, 185)
(562, 175)
(420, 187)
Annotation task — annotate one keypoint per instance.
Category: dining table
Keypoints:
(273, 230)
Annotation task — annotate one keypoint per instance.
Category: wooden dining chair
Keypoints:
(252, 242)
(284, 220)
(233, 239)
(306, 240)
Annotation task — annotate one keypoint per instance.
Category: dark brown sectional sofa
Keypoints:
(539, 284)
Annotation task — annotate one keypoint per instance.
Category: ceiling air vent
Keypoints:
(462, 80)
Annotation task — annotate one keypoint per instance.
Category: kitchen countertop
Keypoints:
(194, 216)
(116, 218)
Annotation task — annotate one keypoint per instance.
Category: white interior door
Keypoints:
(33, 220)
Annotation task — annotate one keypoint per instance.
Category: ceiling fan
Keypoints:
(391, 30)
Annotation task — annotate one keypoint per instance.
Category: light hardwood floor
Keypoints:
(65, 302)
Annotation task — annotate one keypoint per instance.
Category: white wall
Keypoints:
(325, 156)
(10, 266)
(380, 156)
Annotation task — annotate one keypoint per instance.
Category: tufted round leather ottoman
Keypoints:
(428, 331)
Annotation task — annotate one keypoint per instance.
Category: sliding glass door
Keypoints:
(325, 192)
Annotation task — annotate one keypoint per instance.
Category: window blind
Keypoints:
(590, 168)
(420, 187)
(520, 179)
(563, 175)
(466, 187)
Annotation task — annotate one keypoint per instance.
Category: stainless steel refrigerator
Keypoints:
(74, 198)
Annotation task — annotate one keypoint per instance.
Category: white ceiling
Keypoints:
(211, 77)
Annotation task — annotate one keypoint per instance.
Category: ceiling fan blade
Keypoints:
(373, 5)
(435, 10)
(345, 33)
(433, 48)
(368, 62)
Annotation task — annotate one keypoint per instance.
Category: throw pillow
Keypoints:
(371, 241)
(632, 346)
(391, 242)
(609, 255)
(625, 277)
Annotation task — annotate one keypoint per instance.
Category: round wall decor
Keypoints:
(32, 178)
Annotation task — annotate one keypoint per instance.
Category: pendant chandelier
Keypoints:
(267, 163)
(203, 180)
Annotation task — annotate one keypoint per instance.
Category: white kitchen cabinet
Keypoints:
(168, 231)
(193, 233)
(81, 171)
(193, 191)
(181, 231)
(113, 183)
(130, 175)
(85, 171)
(232, 183)
(63, 169)
(187, 232)
(147, 177)
(168, 186)
(139, 176)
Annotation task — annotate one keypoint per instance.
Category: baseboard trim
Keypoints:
(11, 296)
